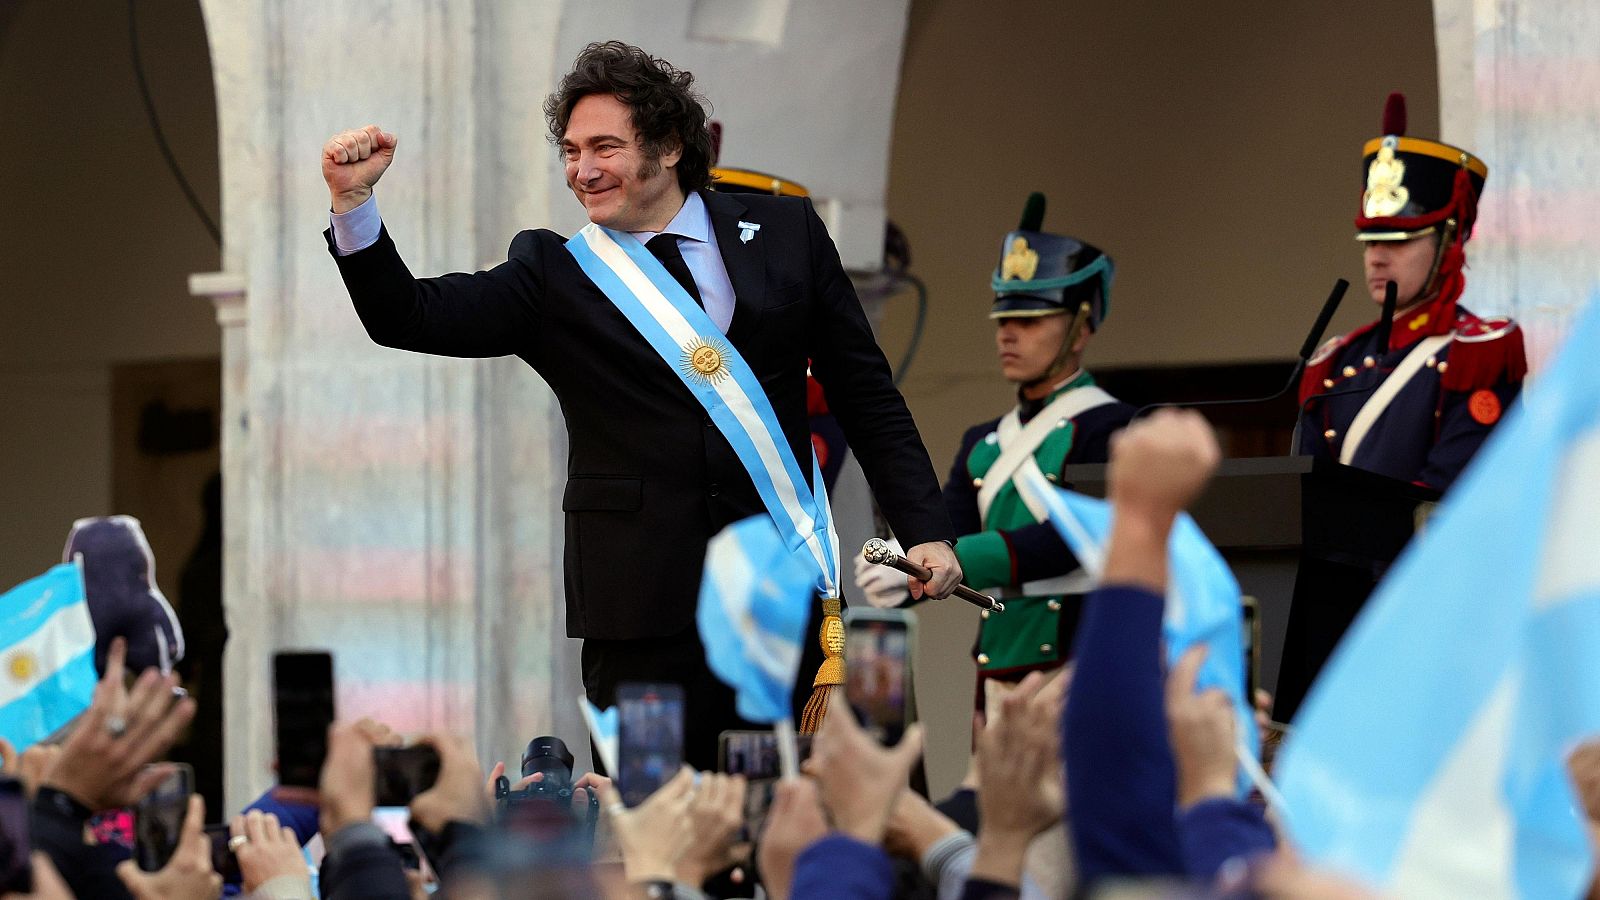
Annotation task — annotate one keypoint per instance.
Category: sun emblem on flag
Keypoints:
(704, 360)
(22, 665)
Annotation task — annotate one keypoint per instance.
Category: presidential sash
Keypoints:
(693, 347)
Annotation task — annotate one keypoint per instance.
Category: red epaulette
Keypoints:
(1319, 368)
(1483, 354)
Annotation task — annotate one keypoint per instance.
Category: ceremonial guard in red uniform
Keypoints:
(1415, 400)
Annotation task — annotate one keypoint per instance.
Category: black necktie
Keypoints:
(665, 248)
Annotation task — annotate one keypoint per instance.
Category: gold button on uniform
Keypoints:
(983, 659)
(977, 482)
(1327, 382)
(1330, 434)
(1047, 648)
(1442, 367)
(983, 614)
(1055, 605)
(1051, 476)
(1349, 371)
(1369, 362)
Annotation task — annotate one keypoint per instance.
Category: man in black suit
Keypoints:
(651, 476)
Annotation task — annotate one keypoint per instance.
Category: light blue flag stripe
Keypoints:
(603, 728)
(52, 704)
(1203, 600)
(812, 503)
(1428, 757)
(27, 607)
(754, 603)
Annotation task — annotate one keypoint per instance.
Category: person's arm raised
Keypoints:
(353, 161)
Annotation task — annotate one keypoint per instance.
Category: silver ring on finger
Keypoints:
(116, 726)
(237, 841)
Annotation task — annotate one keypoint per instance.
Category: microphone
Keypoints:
(1325, 316)
(876, 550)
(1386, 321)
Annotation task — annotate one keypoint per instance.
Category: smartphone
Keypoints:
(1251, 639)
(649, 738)
(396, 823)
(877, 659)
(16, 839)
(222, 858)
(754, 754)
(401, 773)
(158, 819)
(302, 704)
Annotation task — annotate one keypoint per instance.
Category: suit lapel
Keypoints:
(746, 262)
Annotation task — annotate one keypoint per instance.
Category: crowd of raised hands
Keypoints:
(852, 799)
(1113, 768)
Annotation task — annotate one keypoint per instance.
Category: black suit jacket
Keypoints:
(649, 477)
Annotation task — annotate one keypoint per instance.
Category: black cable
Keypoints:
(155, 128)
(916, 329)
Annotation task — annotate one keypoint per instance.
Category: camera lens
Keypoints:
(550, 756)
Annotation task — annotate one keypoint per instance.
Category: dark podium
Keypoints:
(1309, 540)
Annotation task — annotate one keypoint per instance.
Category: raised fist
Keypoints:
(353, 161)
(1160, 464)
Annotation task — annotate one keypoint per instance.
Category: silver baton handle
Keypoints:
(877, 551)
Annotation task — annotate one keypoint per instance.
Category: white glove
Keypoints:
(883, 587)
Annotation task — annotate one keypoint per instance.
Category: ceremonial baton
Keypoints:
(877, 551)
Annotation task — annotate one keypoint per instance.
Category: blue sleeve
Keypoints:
(842, 868)
(1121, 783)
(357, 229)
(1212, 832)
(302, 817)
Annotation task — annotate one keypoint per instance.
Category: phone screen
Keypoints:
(1252, 648)
(302, 691)
(158, 819)
(649, 738)
(16, 839)
(754, 754)
(877, 681)
(222, 859)
(401, 773)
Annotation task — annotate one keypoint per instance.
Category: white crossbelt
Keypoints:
(1368, 415)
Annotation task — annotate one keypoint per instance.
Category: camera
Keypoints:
(544, 807)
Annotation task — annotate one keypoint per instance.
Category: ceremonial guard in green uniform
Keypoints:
(1051, 296)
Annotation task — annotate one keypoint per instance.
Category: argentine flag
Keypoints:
(1203, 601)
(1428, 757)
(754, 601)
(47, 674)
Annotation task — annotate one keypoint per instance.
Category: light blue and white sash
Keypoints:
(692, 346)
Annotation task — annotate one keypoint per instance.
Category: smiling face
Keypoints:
(618, 182)
(1406, 263)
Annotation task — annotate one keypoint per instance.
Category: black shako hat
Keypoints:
(1414, 185)
(1042, 274)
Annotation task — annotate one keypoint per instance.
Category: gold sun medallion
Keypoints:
(704, 360)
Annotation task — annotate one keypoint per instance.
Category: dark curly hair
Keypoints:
(667, 112)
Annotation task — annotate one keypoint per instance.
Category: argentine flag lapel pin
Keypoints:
(747, 230)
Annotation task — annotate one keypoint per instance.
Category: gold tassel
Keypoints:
(831, 673)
